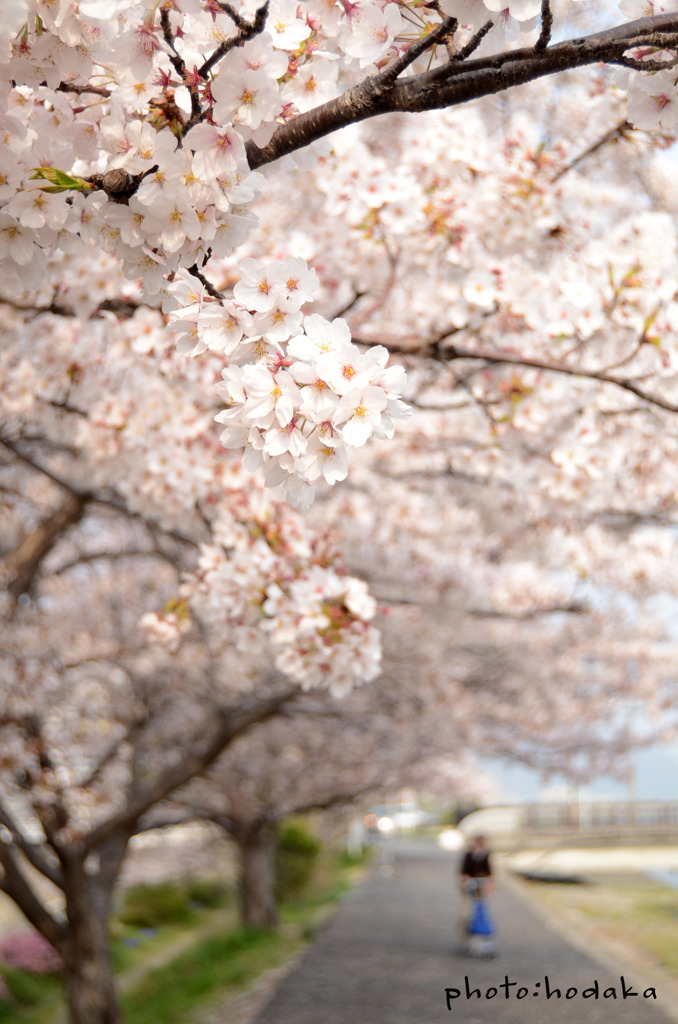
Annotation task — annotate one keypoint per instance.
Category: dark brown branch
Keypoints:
(32, 852)
(97, 90)
(325, 803)
(178, 63)
(123, 308)
(233, 723)
(235, 17)
(474, 42)
(574, 608)
(646, 65)
(176, 60)
(21, 565)
(223, 821)
(207, 285)
(397, 66)
(434, 349)
(458, 81)
(110, 754)
(546, 26)
(620, 131)
(14, 883)
(97, 556)
(54, 307)
(357, 296)
(110, 500)
(247, 31)
(53, 816)
(496, 358)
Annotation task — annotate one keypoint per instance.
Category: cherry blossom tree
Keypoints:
(156, 607)
(159, 120)
(174, 195)
(530, 674)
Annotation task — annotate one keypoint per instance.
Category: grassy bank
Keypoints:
(215, 966)
(630, 913)
(175, 954)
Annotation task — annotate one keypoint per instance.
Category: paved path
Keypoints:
(389, 955)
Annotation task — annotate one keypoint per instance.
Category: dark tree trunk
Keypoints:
(88, 970)
(256, 845)
(90, 989)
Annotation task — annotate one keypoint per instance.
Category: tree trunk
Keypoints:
(88, 970)
(89, 975)
(256, 844)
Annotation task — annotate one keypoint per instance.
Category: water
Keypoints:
(669, 877)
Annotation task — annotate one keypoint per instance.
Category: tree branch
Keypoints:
(397, 66)
(247, 31)
(619, 131)
(97, 90)
(21, 565)
(324, 803)
(573, 608)
(89, 497)
(457, 81)
(233, 723)
(207, 285)
(474, 42)
(96, 556)
(176, 60)
(546, 26)
(496, 358)
(109, 755)
(32, 852)
(448, 353)
(18, 889)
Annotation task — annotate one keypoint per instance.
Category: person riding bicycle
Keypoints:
(475, 876)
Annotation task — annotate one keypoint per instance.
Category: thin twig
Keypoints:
(207, 285)
(618, 132)
(350, 304)
(248, 31)
(176, 60)
(239, 21)
(474, 42)
(98, 90)
(507, 358)
(397, 66)
(546, 26)
(645, 65)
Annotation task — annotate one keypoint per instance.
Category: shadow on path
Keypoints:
(391, 951)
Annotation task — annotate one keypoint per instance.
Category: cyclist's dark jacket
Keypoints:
(477, 866)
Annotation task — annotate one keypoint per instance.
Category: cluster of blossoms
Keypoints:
(299, 393)
(126, 128)
(29, 951)
(652, 97)
(160, 180)
(507, 246)
(141, 428)
(269, 578)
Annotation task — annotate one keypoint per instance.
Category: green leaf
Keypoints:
(61, 182)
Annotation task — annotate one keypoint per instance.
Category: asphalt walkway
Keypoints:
(390, 956)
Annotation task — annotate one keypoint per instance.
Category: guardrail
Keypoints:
(629, 816)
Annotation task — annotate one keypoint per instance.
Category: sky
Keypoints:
(654, 769)
(655, 777)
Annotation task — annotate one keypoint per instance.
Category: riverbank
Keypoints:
(625, 920)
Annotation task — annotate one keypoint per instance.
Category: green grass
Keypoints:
(169, 994)
(132, 947)
(222, 958)
(213, 966)
(33, 997)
